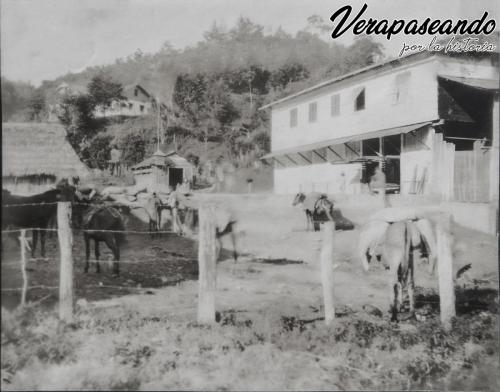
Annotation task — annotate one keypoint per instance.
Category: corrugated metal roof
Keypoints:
(159, 158)
(484, 84)
(416, 56)
(346, 139)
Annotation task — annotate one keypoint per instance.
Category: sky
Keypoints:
(43, 39)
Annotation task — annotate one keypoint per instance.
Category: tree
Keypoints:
(288, 73)
(103, 90)
(77, 115)
(15, 98)
(189, 95)
(133, 148)
(97, 153)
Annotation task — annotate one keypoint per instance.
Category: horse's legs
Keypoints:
(112, 242)
(87, 251)
(233, 240)
(394, 302)
(411, 285)
(97, 254)
(219, 248)
(158, 215)
(33, 245)
(42, 242)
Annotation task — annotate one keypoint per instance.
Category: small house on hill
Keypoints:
(35, 156)
(136, 101)
(162, 170)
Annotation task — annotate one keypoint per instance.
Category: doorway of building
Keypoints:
(392, 171)
(174, 176)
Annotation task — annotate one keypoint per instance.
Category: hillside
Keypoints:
(212, 91)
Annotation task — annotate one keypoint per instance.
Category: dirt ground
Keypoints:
(278, 258)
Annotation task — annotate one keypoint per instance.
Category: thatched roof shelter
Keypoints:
(39, 149)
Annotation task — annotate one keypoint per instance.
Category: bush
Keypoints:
(133, 148)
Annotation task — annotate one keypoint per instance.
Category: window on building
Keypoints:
(130, 105)
(293, 118)
(401, 87)
(313, 112)
(359, 101)
(335, 105)
(141, 108)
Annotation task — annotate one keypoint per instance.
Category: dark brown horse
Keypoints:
(104, 223)
(34, 212)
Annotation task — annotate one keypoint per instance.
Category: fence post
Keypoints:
(65, 236)
(22, 240)
(445, 271)
(207, 251)
(327, 270)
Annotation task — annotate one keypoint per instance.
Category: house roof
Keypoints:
(347, 139)
(159, 158)
(129, 92)
(39, 149)
(392, 63)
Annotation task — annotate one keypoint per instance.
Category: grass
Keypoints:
(266, 351)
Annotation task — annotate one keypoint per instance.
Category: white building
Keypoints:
(420, 115)
(136, 102)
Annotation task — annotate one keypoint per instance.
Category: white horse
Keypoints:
(397, 245)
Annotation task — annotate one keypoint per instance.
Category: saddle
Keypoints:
(95, 209)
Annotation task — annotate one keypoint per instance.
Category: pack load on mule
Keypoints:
(318, 209)
(397, 239)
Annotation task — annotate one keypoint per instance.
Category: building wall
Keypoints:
(381, 110)
(129, 107)
(323, 177)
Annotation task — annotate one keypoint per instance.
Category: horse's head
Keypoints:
(124, 211)
(299, 198)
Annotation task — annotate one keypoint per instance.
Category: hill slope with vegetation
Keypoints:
(212, 91)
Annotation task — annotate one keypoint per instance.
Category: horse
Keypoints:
(396, 245)
(323, 211)
(104, 223)
(37, 212)
(307, 203)
(225, 225)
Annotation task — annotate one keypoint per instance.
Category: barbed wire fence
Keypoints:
(64, 231)
(207, 258)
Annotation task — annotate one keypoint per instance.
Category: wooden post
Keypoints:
(445, 271)
(327, 270)
(22, 240)
(65, 236)
(207, 251)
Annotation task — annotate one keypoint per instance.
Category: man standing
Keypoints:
(115, 161)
